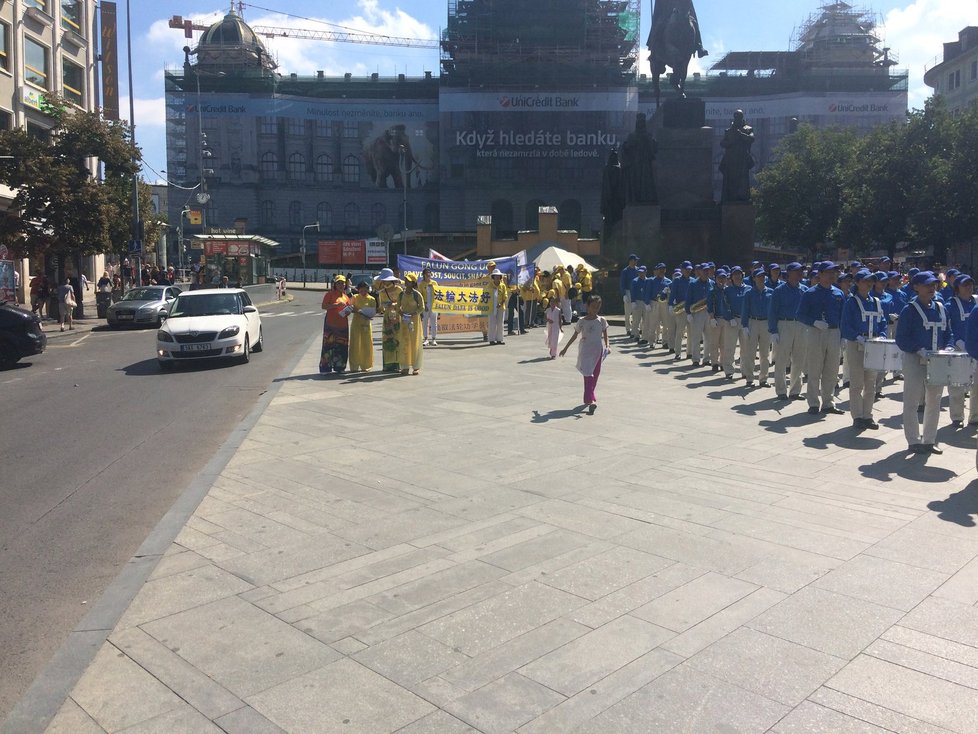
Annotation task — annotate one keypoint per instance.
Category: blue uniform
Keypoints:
(699, 290)
(628, 274)
(946, 293)
(784, 305)
(912, 335)
(856, 321)
(971, 334)
(678, 289)
(958, 310)
(757, 305)
(655, 287)
(638, 290)
(821, 304)
(731, 301)
(898, 299)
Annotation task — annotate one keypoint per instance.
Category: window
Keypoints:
(351, 169)
(268, 165)
(569, 215)
(71, 15)
(35, 63)
(39, 4)
(213, 217)
(295, 126)
(324, 168)
(73, 81)
(266, 214)
(4, 46)
(351, 216)
(297, 167)
(324, 215)
(295, 214)
(378, 213)
(324, 129)
(267, 126)
(351, 130)
(5, 120)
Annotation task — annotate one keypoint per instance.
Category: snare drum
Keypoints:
(950, 369)
(882, 355)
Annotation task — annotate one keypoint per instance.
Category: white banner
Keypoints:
(619, 100)
(840, 106)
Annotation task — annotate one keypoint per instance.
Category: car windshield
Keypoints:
(143, 294)
(212, 304)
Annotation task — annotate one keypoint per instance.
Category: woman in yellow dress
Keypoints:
(361, 336)
(411, 305)
(388, 294)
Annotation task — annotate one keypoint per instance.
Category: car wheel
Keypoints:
(260, 344)
(246, 352)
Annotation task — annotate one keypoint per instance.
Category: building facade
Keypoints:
(955, 77)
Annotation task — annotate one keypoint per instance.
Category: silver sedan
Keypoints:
(142, 306)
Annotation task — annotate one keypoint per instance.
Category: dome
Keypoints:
(232, 43)
(231, 31)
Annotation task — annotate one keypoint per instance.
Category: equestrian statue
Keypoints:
(674, 38)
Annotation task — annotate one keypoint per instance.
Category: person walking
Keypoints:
(820, 310)
(785, 333)
(361, 337)
(495, 296)
(336, 329)
(388, 293)
(756, 341)
(410, 304)
(959, 307)
(429, 320)
(862, 318)
(628, 274)
(66, 304)
(554, 328)
(593, 331)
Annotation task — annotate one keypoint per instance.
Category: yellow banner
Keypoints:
(460, 300)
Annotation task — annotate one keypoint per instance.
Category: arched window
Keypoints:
(295, 214)
(531, 216)
(266, 215)
(569, 215)
(324, 168)
(351, 216)
(502, 219)
(378, 214)
(297, 167)
(269, 165)
(324, 215)
(351, 169)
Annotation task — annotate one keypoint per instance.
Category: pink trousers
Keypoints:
(590, 383)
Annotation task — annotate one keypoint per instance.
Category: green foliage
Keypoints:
(60, 206)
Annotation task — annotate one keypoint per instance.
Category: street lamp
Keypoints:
(183, 212)
(302, 249)
(406, 171)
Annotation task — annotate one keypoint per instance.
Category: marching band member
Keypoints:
(658, 294)
(638, 304)
(697, 297)
(677, 302)
(773, 276)
(820, 309)
(959, 307)
(948, 292)
(786, 334)
(669, 321)
(756, 339)
(731, 307)
(628, 274)
(862, 318)
(922, 328)
(711, 333)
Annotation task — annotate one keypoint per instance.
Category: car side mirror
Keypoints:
(250, 309)
(164, 315)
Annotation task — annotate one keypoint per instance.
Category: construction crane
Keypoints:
(338, 36)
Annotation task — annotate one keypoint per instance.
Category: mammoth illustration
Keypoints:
(383, 157)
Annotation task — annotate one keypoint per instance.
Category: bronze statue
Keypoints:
(638, 155)
(737, 160)
(674, 38)
(612, 190)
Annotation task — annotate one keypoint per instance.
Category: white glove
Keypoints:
(713, 323)
(960, 345)
(734, 322)
(746, 330)
(948, 349)
(775, 338)
(689, 317)
(894, 317)
(922, 354)
(861, 339)
(648, 307)
(821, 325)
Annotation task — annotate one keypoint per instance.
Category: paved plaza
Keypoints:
(468, 551)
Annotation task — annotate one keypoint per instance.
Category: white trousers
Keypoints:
(654, 322)
(496, 318)
(915, 389)
(627, 303)
(758, 342)
(789, 351)
(565, 309)
(668, 324)
(956, 400)
(862, 382)
(681, 330)
(729, 336)
(697, 328)
(429, 321)
(823, 347)
(638, 318)
(711, 341)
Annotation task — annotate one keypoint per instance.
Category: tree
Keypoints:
(799, 195)
(60, 206)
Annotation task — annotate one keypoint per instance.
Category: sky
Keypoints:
(914, 29)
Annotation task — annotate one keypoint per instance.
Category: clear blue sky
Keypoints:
(915, 29)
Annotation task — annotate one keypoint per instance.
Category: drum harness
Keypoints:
(932, 325)
(870, 317)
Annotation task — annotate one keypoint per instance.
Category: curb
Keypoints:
(52, 686)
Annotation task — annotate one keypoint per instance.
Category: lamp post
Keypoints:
(406, 171)
(302, 249)
(183, 212)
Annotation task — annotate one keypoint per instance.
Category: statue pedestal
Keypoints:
(641, 229)
(682, 114)
(737, 233)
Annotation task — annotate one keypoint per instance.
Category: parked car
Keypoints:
(144, 306)
(216, 323)
(20, 335)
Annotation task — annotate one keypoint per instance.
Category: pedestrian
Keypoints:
(66, 304)
(429, 319)
(225, 282)
(638, 305)
(593, 330)
(495, 296)
(104, 284)
(126, 274)
(862, 318)
(820, 310)
(84, 281)
(388, 293)
(554, 328)
(785, 333)
(756, 338)
(959, 307)
(361, 338)
(336, 329)
(37, 285)
(410, 304)
(628, 274)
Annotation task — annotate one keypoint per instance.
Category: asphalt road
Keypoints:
(95, 446)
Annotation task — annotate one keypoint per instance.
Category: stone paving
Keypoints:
(467, 551)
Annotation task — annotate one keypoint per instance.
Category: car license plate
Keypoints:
(124, 317)
(194, 347)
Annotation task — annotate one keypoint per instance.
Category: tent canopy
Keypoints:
(547, 255)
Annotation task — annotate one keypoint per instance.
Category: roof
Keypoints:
(231, 31)
(237, 238)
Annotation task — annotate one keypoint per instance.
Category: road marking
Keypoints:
(16, 379)
(79, 341)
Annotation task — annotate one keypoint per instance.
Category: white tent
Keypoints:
(547, 257)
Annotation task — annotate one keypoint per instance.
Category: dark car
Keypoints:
(20, 335)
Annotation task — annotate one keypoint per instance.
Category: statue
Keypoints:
(737, 160)
(638, 154)
(675, 36)
(612, 190)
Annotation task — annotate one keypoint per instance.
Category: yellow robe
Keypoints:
(410, 353)
(361, 336)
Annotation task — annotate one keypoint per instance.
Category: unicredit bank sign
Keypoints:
(619, 100)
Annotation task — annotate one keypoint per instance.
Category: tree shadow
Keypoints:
(958, 507)
(846, 438)
(575, 413)
(905, 465)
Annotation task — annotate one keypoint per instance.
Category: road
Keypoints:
(96, 445)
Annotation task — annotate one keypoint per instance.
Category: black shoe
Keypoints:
(797, 397)
(523, 332)
(510, 333)
(716, 368)
(695, 363)
(833, 410)
(933, 448)
(859, 424)
(781, 397)
(730, 377)
(485, 338)
(957, 424)
(918, 448)
(750, 383)
(677, 358)
(764, 383)
(672, 351)
(879, 396)
(871, 424)
(591, 408)
(643, 341)
(813, 410)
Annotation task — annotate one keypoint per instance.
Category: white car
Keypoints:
(209, 324)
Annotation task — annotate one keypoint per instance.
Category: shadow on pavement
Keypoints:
(846, 438)
(152, 367)
(352, 377)
(766, 404)
(534, 360)
(781, 425)
(905, 465)
(17, 366)
(553, 415)
(958, 507)
(734, 391)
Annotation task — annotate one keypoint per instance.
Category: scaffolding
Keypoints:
(841, 37)
(553, 42)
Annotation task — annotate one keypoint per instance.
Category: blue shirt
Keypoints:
(821, 304)
(677, 292)
(784, 305)
(699, 290)
(638, 289)
(946, 293)
(731, 301)
(971, 335)
(855, 324)
(912, 335)
(898, 299)
(655, 286)
(757, 305)
(958, 310)
(628, 274)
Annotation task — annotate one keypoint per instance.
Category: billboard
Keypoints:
(109, 51)
(352, 252)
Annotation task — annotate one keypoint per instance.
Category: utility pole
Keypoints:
(136, 228)
(302, 249)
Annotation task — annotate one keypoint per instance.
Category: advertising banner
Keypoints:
(352, 252)
(455, 269)
(460, 300)
(376, 252)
